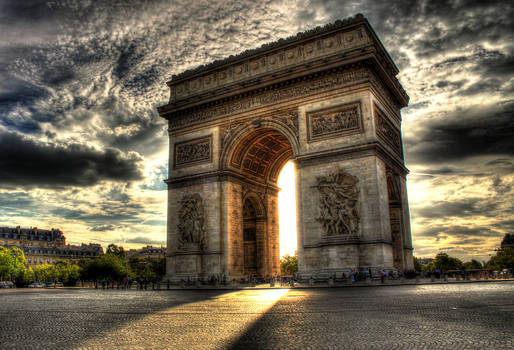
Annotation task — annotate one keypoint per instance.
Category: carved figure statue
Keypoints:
(339, 195)
(191, 221)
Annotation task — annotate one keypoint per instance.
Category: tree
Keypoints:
(443, 262)
(113, 249)
(6, 264)
(147, 269)
(66, 272)
(44, 273)
(417, 264)
(107, 266)
(12, 263)
(504, 259)
(472, 265)
(288, 264)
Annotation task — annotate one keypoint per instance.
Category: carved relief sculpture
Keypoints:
(290, 120)
(339, 196)
(193, 151)
(387, 131)
(191, 222)
(335, 121)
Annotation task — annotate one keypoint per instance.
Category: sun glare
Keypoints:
(287, 210)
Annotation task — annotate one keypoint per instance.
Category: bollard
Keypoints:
(330, 282)
(432, 278)
(445, 277)
(311, 282)
(478, 276)
(417, 278)
(458, 277)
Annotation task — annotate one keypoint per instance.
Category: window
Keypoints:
(29, 260)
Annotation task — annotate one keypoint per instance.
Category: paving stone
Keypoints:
(452, 316)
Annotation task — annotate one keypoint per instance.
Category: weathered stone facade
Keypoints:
(329, 100)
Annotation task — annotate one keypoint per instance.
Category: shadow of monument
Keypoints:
(68, 319)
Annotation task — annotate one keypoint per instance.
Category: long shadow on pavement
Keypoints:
(66, 319)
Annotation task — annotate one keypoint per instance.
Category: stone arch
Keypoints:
(315, 99)
(261, 133)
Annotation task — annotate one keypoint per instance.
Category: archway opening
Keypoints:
(288, 234)
(255, 157)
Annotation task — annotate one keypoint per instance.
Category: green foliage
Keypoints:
(417, 264)
(113, 249)
(44, 273)
(62, 270)
(107, 266)
(443, 262)
(473, 265)
(147, 269)
(504, 259)
(12, 263)
(288, 264)
(6, 264)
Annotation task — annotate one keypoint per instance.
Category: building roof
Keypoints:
(53, 234)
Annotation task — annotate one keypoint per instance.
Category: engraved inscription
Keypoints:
(387, 131)
(193, 151)
(339, 196)
(335, 121)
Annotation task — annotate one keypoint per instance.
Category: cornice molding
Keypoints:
(337, 44)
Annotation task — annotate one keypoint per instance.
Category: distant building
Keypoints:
(46, 246)
(508, 241)
(148, 253)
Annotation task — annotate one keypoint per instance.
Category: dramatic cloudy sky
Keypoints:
(83, 149)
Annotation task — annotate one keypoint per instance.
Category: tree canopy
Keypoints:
(12, 263)
(288, 264)
(504, 259)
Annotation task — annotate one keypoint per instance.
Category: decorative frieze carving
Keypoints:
(193, 151)
(342, 120)
(387, 131)
(339, 196)
(290, 121)
(191, 222)
(268, 62)
(301, 88)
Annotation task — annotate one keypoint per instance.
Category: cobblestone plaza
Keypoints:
(444, 316)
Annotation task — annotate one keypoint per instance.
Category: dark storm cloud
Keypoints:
(464, 133)
(16, 204)
(26, 162)
(459, 208)
(507, 225)
(102, 228)
(446, 26)
(68, 213)
(143, 240)
(456, 232)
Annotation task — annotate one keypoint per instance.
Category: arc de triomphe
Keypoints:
(327, 99)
